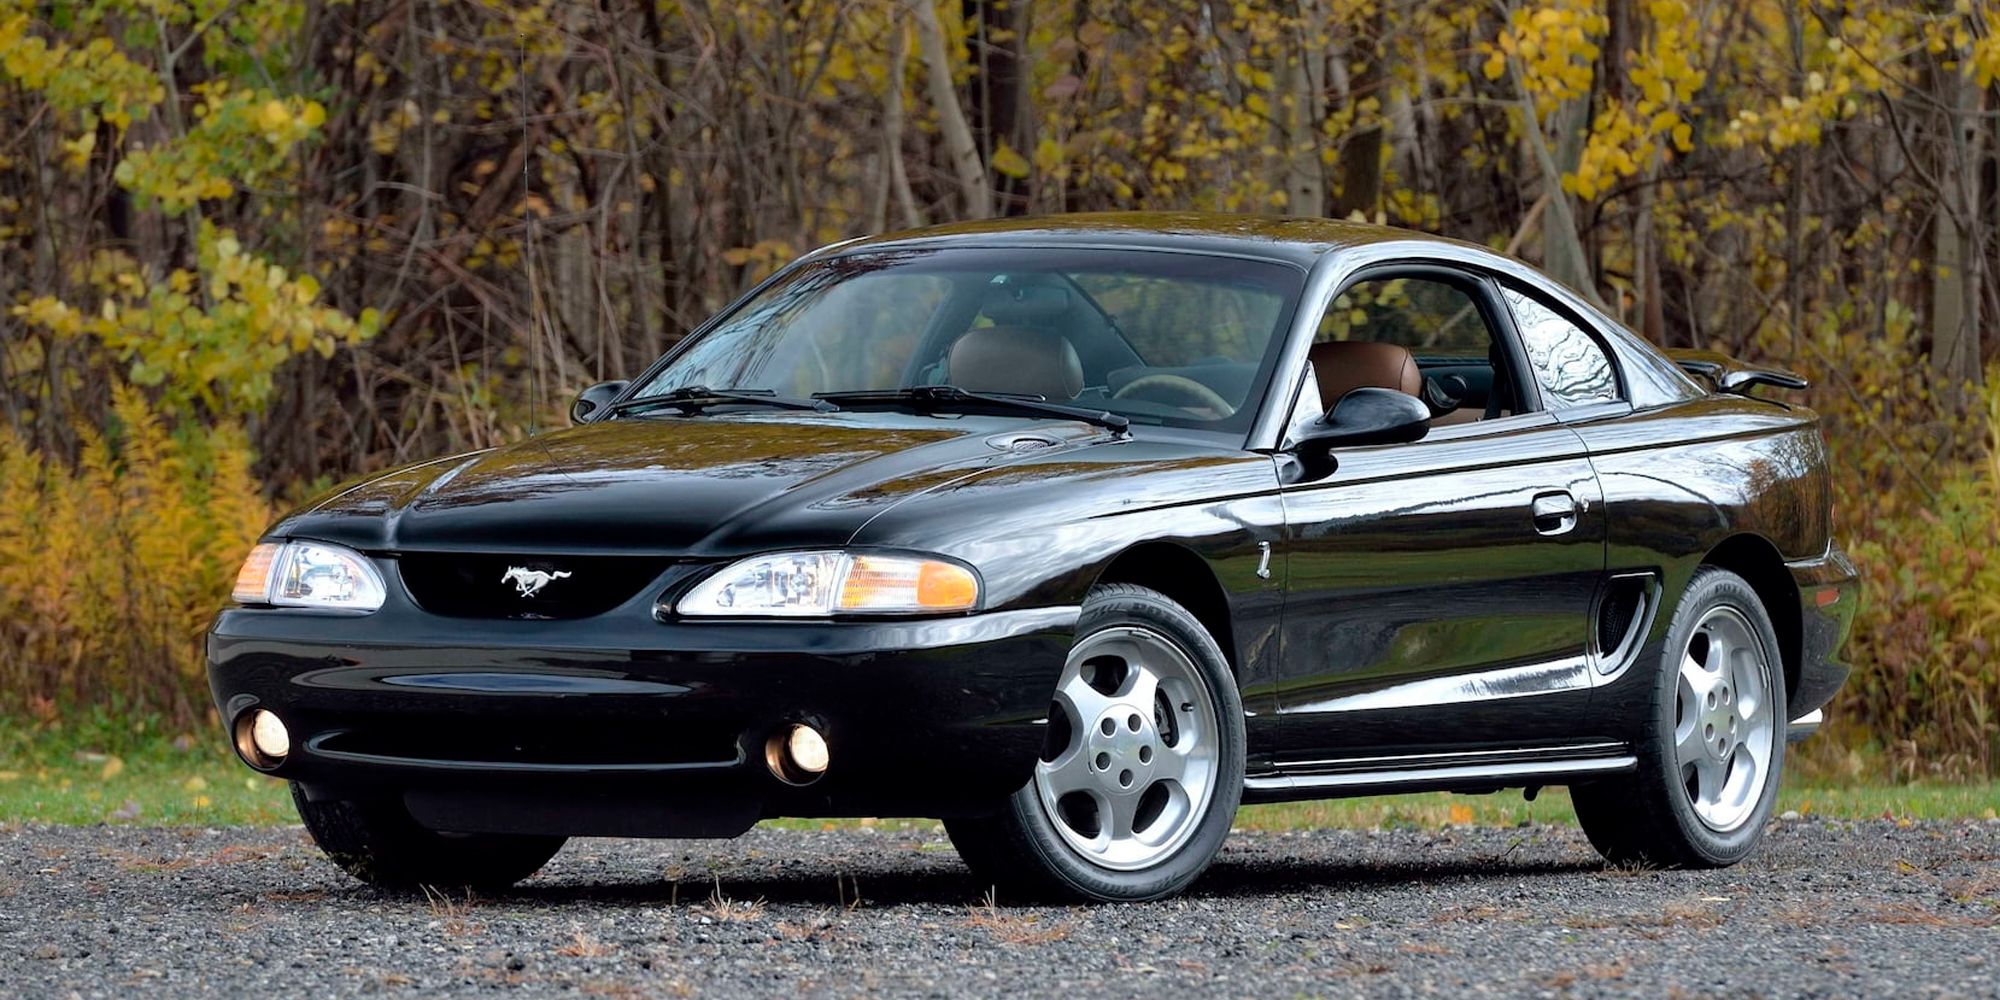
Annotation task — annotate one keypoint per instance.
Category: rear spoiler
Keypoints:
(1726, 374)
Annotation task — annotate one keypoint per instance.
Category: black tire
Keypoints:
(377, 842)
(1647, 817)
(1018, 851)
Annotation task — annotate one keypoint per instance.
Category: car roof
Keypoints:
(1294, 239)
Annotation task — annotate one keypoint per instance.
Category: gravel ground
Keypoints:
(1825, 909)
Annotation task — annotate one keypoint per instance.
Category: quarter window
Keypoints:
(1568, 362)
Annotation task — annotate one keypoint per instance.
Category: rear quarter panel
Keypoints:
(1681, 479)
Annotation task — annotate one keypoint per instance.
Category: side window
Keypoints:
(1570, 364)
(1446, 355)
(1425, 316)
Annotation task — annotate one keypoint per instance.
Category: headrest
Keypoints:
(1015, 359)
(1025, 305)
(1344, 365)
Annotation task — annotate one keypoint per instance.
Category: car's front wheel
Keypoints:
(1712, 746)
(376, 841)
(1141, 774)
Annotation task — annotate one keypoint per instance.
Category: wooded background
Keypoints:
(249, 247)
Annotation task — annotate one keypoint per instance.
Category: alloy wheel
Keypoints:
(1131, 761)
(1725, 727)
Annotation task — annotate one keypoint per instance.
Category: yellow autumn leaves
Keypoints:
(109, 569)
(1556, 46)
(240, 137)
(211, 336)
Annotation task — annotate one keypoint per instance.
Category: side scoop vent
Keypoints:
(1624, 614)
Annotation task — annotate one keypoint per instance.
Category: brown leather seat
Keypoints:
(1015, 359)
(1341, 366)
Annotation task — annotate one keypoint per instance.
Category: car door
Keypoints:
(1439, 592)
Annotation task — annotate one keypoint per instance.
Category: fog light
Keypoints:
(261, 738)
(808, 748)
(797, 755)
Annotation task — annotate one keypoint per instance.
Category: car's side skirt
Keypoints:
(1468, 770)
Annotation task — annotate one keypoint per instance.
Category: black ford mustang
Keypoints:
(1076, 533)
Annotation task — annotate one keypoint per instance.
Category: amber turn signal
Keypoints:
(884, 583)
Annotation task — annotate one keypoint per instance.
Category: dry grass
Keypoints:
(1981, 888)
(1013, 927)
(453, 916)
(1910, 914)
(1626, 869)
(816, 929)
(1603, 971)
(231, 855)
(723, 910)
(582, 945)
(1478, 915)
(1672, 915)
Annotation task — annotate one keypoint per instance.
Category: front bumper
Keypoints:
(642, 728)
(1829, 594)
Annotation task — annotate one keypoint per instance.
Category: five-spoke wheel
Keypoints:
(1711, 744)
(1141, 770)
(1724, 726)
(1131, 761)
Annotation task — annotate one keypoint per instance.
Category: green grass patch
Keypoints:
(104, 770)
(1976, 800)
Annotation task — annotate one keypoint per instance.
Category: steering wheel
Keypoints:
(1177, 390)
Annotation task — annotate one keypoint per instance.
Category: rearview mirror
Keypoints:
(1370, 415)
(593, 403)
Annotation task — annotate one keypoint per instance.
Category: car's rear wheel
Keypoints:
(1139, 780)
(1712, 747)
(376, 841)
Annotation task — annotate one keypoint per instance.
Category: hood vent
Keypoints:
(1021, 443)
(477, 585)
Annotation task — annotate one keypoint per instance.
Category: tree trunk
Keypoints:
(1957, 236)
(959, 147)
(1361, 153)
(999, 90)
(1302, 99)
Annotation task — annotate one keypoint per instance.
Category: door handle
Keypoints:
(1554, 513)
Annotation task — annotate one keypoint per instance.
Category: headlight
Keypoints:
(309, 575)
(809, 584)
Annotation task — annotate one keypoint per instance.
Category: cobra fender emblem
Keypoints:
(529, 582)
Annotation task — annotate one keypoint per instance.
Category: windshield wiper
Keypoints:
(695, 398)
(951, 397)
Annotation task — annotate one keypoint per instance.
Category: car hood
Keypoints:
(694, 486)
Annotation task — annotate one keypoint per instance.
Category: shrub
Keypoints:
(1926, 688)
(110, 568)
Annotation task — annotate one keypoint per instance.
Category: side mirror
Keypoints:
(592, 403)
(1368, 415)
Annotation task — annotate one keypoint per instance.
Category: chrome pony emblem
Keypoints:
(529, 582)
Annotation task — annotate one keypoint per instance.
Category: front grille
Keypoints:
(463, 585)
(546, 741)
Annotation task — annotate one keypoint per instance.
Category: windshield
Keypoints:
(1159, 337)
